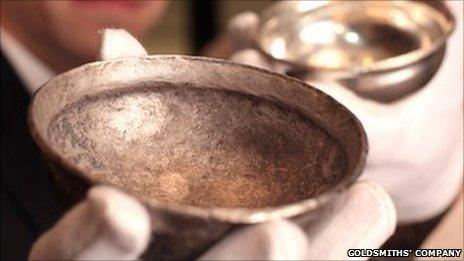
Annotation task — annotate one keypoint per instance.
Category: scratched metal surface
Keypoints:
(199, 147)
(205, 144)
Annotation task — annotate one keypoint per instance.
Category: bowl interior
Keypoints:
(199, 147)
(197, 132)
(346, 34)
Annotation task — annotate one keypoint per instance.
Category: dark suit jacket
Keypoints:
(29, 205)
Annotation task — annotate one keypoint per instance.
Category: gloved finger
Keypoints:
(108, 225)
(278, 240)
(118, 43)
(237, 36)
(241, 30)
(364, 218)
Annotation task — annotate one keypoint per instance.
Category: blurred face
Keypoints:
(72, 26)
(75, 23)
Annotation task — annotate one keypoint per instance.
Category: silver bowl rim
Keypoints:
(230, 215)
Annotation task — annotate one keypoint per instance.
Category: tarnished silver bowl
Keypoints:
(207, 145)
(382, 50)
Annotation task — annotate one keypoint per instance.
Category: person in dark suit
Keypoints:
(40, 39)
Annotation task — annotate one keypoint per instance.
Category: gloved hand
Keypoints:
(111, 225)
(107, 225)
(415, 144)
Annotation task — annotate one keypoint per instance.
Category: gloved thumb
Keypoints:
(108, 224)
(241, 30)
(277, 240)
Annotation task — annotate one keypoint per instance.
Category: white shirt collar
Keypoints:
(29, 68)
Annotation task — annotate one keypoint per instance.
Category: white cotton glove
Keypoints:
(107, 225)
(111, 225)
(365, 218)
(415, 144)
(118, 43)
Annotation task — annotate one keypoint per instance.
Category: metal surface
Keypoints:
(382, 50)
(206, 144)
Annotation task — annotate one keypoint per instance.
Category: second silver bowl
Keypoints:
(382, 50)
